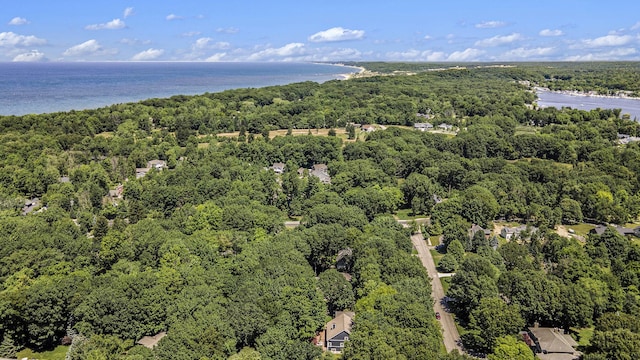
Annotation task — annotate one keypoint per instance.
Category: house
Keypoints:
(64, 179)
(278, 167)
(625, 139)
(151, 341)
(600, 229)
(368, 128)
(321, 171)
(445, 127)
(30, 205)
(512, 232)
(343, 259)
(553, 344)
(475, 228)
(157, 164)
(337, 331)
(117, 192)
(422, 126)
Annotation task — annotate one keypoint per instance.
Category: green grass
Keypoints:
(526, 130)
(584, 336)
(446, 283)
(581, 229)
(436, 256)
(435, 240)
(58, 353)
(407, 214)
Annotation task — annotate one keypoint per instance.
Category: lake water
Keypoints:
(33, 88)
(558, 100)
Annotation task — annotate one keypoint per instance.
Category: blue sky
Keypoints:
(245, 30)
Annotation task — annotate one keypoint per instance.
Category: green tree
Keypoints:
(510, 348)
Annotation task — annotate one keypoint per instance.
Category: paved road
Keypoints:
(450, 332)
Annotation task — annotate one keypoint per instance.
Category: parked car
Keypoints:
(438, 315)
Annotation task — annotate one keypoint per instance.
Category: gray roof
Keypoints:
(553, 340)
(342, 322)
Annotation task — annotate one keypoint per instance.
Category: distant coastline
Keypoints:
(621, 95)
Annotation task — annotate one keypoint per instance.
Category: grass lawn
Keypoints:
(584, 336)
(436, 256)
(526, 130)
(58, 353)
(435, 240)
(407, 214)
(581, 229)
(446, 283)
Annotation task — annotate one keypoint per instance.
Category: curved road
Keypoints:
(450, 332)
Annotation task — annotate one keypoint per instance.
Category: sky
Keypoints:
(329, 30)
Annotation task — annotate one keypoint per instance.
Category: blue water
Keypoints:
(33, 88)
(558, 100)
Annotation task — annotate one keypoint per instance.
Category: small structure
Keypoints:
(30, 205)
(445, 127)
(278, 167)
(321, 171)
(624, 231)
(157, 164)
(553, 344)
(64, 179)
(117, 192)
(337, 331)
(511, 232)
(151, 341)
(343, 259)
(368, 128)
(475, 228)
(625, 139)
(423, 126)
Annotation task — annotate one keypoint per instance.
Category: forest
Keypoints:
(198, 248)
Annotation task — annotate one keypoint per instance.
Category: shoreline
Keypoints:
(583, 94)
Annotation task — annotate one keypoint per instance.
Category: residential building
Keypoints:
(337, 331)
(278, 167)
(513, 232)
(423, 126)
(368, 128)
(553, 344)
(151, 341)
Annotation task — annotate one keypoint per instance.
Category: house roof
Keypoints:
(344, 253)
(342, 322)
(151, 341)
(320, 167)
(553, 340)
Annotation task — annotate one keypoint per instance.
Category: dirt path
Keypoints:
(450, 332)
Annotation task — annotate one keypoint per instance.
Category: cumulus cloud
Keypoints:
(490, 24)
(207, 43)
(336, 34)
(11, 39)
(550, 32)
(524, 53)
(417, 55)
(31, 56)
(217, 57)
(129, 41)
(18, 21)
(89, 48)
(147, 55)
(469, 54)
(615, 54)
(114, 24)
(128, 12)
(608, 40)
(499, 40)
(282, 53)
(174, 17)
(229, 30)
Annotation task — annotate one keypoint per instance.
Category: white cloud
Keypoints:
(90, 48)
(217, 57)
(490, 24)
(32, 56)
(524, 53)
(468, 54)
(10, 39)
(128, 12)
(615, 54)
(336, 34)
(550, 32)
(288, 50)
(608, 40)
(229, 30)
(416, 55)
(149, 54)
(499, 40)
(191, 33)
(174, 17)
(114, 24)
(428, 37)
(636, 26)
(129, 41)
(18, 21)
(207, 43)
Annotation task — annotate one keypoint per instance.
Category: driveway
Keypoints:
(450, 332)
